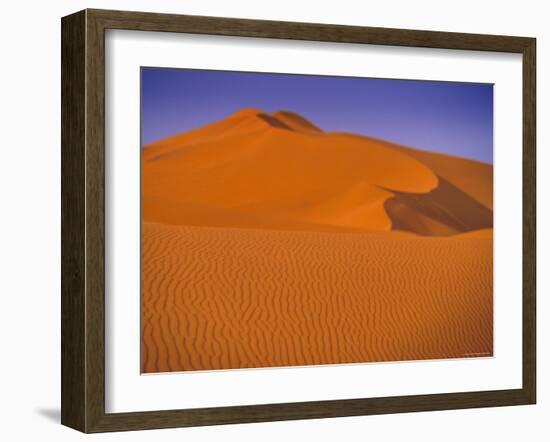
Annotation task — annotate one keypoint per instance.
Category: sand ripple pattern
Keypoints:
(223, 298)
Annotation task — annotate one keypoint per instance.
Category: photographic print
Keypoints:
(302, 220)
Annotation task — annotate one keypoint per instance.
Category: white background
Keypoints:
(127, 391)
(30, 221)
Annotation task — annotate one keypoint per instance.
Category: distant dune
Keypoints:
(268, 242)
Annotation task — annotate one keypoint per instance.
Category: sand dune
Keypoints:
(472, 177)
(218, 298)
(269, 242)
(444, 211)
(281, 167)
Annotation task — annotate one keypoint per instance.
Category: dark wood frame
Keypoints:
(83, 218)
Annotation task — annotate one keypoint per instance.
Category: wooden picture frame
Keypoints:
(83, 220)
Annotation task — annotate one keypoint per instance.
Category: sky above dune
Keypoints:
(446, 117)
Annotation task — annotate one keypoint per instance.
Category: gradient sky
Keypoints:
(447, 117)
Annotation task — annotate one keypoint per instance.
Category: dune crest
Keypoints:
(296, 122)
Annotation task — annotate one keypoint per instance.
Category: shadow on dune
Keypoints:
(272, 121)
(446, 210)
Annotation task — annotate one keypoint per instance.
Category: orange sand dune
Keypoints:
(218, 298)
(268, 242)
(472, 177)
(282, 167)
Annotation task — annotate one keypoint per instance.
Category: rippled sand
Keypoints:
(218, 298)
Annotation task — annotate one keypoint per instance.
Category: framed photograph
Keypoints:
(267, 221)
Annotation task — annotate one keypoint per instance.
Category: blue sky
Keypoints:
(447, 117)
